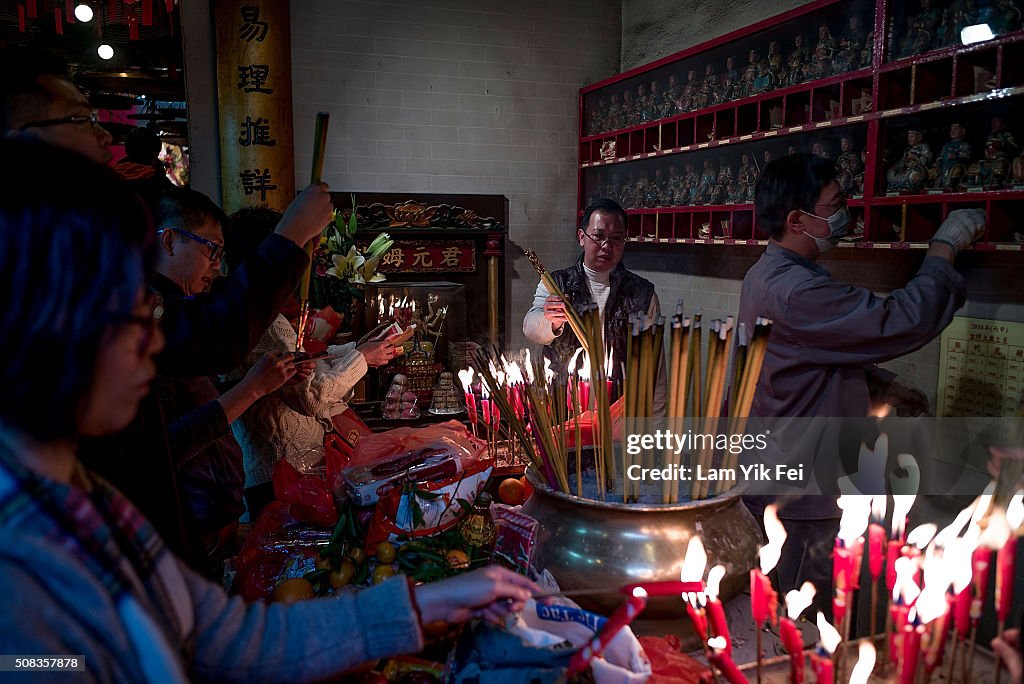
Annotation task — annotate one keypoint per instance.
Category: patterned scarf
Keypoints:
(97, 525)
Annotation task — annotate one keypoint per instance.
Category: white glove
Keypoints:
(961, 228)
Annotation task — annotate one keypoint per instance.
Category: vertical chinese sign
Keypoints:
(254, 90)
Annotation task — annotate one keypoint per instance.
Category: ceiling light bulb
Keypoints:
(83, 12)
(105, 51)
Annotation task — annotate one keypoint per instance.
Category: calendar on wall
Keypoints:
(981, 369)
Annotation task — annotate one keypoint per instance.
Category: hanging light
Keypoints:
(105, 51)
(83, 12)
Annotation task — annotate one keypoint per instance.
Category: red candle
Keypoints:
(1005, 561)
(584, 389)
(981, 560)
(485, 407)
(624, 615)
(764, 602)
(495, 416)
(608, 386)
(876, 550)
(858, 558)
(910, 652)
(471, 407)
(665, 588)
(723, 661)
(937, 640)
(698, 619)
(842, 566)
(716, 616)
(899, 614)
(892, 553)
(839, 606)
(822, 664)
(962, 613)
(794, 645)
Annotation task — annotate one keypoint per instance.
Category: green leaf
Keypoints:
(427, 496)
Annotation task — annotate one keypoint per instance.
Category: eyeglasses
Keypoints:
(77, 119)
(838, 204)
(602, 240)
(216, 251)
(153, 306)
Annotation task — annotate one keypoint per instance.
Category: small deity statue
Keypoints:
(955, 18)
(855, 34)
(675, 181)
(850, 44)
(825, 40)
(643, 104)
(718, 194)
(764, 81)
(669, 97)
(734, 193)
(709, 90)
(646, 195)
(1004, 17)
(690, 182)
(614, 120)
(750, 73)
(688, 100)
(730, 81)
(798, 62)
(599, 116)
(868, 51)
(821, 62)
(990, 172)
(629, 111)
(953, 159)
(776, 63)
(819, 149)
(661, 188)
(616, 190)
(849, 167)
(629, 199)
(654, 101)
(708, 181)
(746, 87)
(725, 173)
(1005, 144)
(928, 18)
(747, 173)
(766, 158)
(793, 149)
(911, 171)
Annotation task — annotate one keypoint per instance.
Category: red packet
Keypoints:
(516, 534)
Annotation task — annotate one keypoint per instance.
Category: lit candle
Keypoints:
(865, 663)
(723, 661)
(1006, 559)
(466, 379)
(796, 603)
(821, 659)
(764, 602)
(622, 616)
(910, 649)
(715, 610)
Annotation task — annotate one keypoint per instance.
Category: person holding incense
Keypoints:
(84, 572)
(598, 278)
(826, 335)
(292, 422)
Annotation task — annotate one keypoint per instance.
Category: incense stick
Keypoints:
(319, 149)
(573, 318)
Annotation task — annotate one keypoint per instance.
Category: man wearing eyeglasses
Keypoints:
(597, 278)
(38, 100)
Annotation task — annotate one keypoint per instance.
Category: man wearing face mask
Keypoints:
(826, 336)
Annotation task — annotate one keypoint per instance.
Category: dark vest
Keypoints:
(629, 294)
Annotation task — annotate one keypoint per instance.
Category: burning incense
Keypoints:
(575, 323)
(319, 149)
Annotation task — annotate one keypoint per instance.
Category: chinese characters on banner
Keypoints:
(982, 368)
(435, 256)
(255, 96)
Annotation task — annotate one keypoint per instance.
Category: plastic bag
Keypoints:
(307, 495)
(278, 546)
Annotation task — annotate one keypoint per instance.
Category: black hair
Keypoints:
(142, 146)
(22, 97)
(786, 184)
(186, 209)
(245, 231)
(605, 205)
(70, 262)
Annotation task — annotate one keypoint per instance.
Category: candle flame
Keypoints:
(828, 635)
(639, 592)
(997, 533)
(983, 503)
(466, 378)
(695, 599)
(921, 535)
(905, 586)
(901, 505)
(856, 515)
(549, 374)
(528, 366)
(962, 569)
(717, 643)
(584, 371)
(798, 601)
(865, 663)
(695, 561)
(609, 363)
(769, 554)
(932, 604)
(878, 506)
(1015, 511)
(715, 577)
(573, 359)
(947, 534)
(499, 377)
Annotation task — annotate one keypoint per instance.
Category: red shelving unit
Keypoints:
(873, 103)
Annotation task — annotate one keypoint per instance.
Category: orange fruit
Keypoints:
(357, 554)
(385, 552)
(382, 573)
(343, 575)
(512, 491)
(292, 590)
(526, 486)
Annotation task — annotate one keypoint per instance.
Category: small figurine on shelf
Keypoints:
(766, 158)
(616, 190)
(735, 193)
(718, 194)
(750, 73)
(793, 149)
(955, 18)
(849, 167)
(671, 96)
(826, 41)
(911, 172)
(868, 51)
(629, 191)
(708, 181)
(747, 172)
(928, 18)
(687, 101)
(730, 81)
(709, 92)
(598, 114)
(989, 173)
(1018, 171)
(820, 149)
(654, 101)
(690, 182)
(850, 43)
(1005, 143)
(1004, 17)
(776, 64)
(856, 33)
(821, 62)
(725, 180)
(642, 104)
(764, 80)
(674, 182)
(628, 109)
(954, 157)
(613, 119)
(798, 62)
(661, 190)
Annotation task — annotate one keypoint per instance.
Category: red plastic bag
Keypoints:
(669, 665)
(309, 499)
(266, 555)
(451, 434)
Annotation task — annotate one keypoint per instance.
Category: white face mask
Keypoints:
(838, 227)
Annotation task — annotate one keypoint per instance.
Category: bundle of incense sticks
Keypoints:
(575, 322)
(644, 350)
(604, 450)
(714, 389)
(319, 151)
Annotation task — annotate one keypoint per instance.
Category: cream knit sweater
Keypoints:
(291, 422)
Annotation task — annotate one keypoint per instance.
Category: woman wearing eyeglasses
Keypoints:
(597, 278)
(84, 574)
